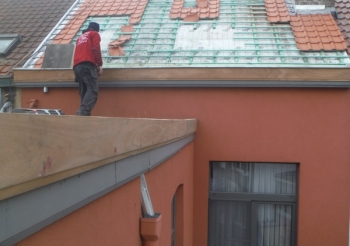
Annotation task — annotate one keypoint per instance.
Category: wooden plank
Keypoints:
(39, 149)
(44, 75)
(153, 74)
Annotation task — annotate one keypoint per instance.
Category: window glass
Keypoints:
(264, 178)
(41, 111)
(252, 204)
(229, 223)
(8, 42)
(274, 224)
(53, 112)
(4, 44)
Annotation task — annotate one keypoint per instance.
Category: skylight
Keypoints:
(8, 42)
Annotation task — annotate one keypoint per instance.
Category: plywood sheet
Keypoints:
(38, 147)
(154, 74)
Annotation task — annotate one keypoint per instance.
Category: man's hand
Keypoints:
(99, 70)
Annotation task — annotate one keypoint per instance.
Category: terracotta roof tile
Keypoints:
(174, 16)
(102, 8)
(114, 47)
(277, 11)
(310, 28)
(185, 10)
(196, 10)
(118, 51)
(5, 69)
(192, 17)
(39, 62)
(202, 3)
(205, 9)
(320, 33)
(134, 20)
(213, 15)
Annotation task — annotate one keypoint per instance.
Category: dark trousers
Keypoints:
(86, 76)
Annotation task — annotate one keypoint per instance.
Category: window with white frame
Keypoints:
(252, 204)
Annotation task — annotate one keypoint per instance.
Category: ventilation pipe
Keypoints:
(150, 224)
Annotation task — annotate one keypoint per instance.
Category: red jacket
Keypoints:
(87, 48)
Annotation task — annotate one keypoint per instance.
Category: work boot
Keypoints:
(80, 113)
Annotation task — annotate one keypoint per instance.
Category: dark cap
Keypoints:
(93, 26)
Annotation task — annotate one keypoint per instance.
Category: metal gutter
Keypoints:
(195, 84)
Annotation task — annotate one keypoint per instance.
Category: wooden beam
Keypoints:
(125, 74)
(37, 150)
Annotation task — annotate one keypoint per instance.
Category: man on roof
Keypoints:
(87, 66)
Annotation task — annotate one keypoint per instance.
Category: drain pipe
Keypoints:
(151, 229)
(150, 224)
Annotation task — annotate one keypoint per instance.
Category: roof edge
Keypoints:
(78, 191)
(195, 84)
(126, 137)
(34, 76)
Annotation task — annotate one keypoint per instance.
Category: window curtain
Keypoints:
(230, 222)
(266, 178)
(274, 225)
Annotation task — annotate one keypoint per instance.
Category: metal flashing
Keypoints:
(196, 84)
(36, 209)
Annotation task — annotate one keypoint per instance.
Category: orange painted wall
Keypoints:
(99, 223)
(114, 218)
(307, 126)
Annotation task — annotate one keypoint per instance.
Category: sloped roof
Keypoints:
(312, 31)
(317, 32)
(32, 20)
(343, 12)
(241, 36)
(277, 11)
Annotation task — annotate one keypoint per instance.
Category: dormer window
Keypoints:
(8, 42)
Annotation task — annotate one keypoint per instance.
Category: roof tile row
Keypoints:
(204, 10)
(134, 8)
(312, 32)
(317, 32)
(343, 12)
(277, 11)
(32, 20)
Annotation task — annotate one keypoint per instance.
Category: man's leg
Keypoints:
(79, 73)
(90, 96)
(82, 92)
